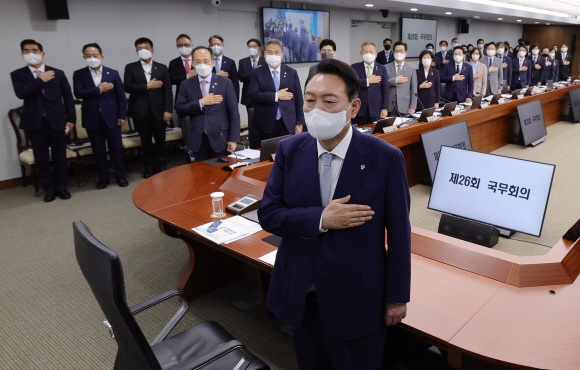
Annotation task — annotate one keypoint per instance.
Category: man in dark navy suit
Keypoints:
(458, 77)
(224, 66)
(331, 195)
(245, 68)
(212, 106)
(104, 111)
(180, 68)
(374, 86)
(277, 96)
(565, 61)
(521, 69)
(443, 56)
(48, 114)
(386, 56)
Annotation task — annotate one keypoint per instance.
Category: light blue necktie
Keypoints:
(325, 178)
(217, 64)
(254, 64)
(277, 86)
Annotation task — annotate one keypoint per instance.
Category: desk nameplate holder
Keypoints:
(245, 204)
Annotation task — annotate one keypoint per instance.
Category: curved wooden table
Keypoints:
(474, 302)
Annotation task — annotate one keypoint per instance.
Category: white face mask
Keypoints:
(273, 60)
(369, 58)
(500, 51)
(217, 50)
(431, 50)
(552, 55)
(426, 62)
(184, 51)
(475, 57)
(443, 48)
(203, 69)
(490, 53)
(535, 52)
(144, 54)
(458, 58)
(480, 46)
(253, 51)
(32, 58)
(564, 49)
(521, 54)
(93, 62)
(323, 125)
(400, 57)
(454, 44)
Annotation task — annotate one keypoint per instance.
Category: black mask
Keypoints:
(388, 47)
(545, 55)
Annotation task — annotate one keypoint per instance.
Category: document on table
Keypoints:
(246, 154)
(229, 230)
(399, 121)
(269, 258)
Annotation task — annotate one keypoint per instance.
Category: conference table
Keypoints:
(478, 304)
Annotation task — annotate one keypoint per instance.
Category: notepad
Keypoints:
(269, 258)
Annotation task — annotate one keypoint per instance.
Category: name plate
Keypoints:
(484, 105)
(388, 129)
(456, 113)
(520, 96)
(432, 118)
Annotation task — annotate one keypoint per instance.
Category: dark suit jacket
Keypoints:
(428, 97)
(161, 100)
(507, 71)
(296, 45)
(353, 276)
(221, 118)
(304, 42)
(229, 65)
(177, 73)
(537, 73)
(565, 71)
(289, 38)
(448, 56)
(56, 103)
(375, 96)
(262, 94)
(524, 77)
(383, 59)
(463, 89)
(551, 71)
(111, 104)
(245, 73)
(313, 51)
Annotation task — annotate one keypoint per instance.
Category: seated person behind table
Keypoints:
(479, 73)
(429, 86)
(458, 77)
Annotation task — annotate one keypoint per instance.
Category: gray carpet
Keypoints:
(49, 318)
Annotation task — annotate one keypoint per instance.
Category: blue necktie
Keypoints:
(217, 64)
(254, 64)
(325, 178)
(277, 86)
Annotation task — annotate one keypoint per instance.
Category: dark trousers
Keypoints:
(100, 137)
(154, 156)
(279, 130)
(362, 118)
(516, 85)
(316, 350)
(206, 151)
(40, 141)
(253, 133)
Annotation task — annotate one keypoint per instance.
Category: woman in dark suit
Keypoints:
(428, 82)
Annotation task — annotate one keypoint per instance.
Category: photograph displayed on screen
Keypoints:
(417, 33)
(532, 123)
(301, 32)
(506, 192)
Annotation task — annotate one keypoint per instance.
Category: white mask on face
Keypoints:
(480, 46)
(500, 51)
(400, 56)
(273, 60)
(426, 62)
(490, 53)
(564, 49)
(323, 125)
(369, 58)
(32, 58)
(93, 62)
(184, 51)
(217, 50)
(144, 54)
(203, 69)
(552, 55)
(458, 58)
(454, 44)
(475, 57)
(535, 52)
(253, 51)
(521, 54)
(431, 50)
(443, 48)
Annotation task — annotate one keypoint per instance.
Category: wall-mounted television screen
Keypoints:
(300, 31)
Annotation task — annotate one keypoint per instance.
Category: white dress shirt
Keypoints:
(97, 75)
(41, 69)
(207, 85)
(147, 69)
(455, 69)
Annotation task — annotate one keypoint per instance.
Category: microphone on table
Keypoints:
(189, 153)
(224, 160)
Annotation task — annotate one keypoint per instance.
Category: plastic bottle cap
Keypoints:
(217, 194)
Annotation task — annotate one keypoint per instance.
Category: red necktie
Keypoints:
(187, 67)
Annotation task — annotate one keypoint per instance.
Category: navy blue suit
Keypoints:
(507, 71)
(262, 94)
(304, 42)
(457, 90)
(374, 97)
(383, 59)
(46, 109)
(439, 57)
(428, 97)
(551, 71)
(219, 122)
(565, 71)
(100, 114)
(537, 74)
(521, 78)
(229, 65)
(353, 276)
(313, 51)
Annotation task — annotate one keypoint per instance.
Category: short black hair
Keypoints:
(560, 45)
(476, 50)
(202, 47)
(30, 42)
(429, 44)
(256, 41)
(424, 52)
(143, 40)
(93, 45)
(534, 45)
(399, 43)
(455, 38)
(443, 41)
(182, 35)
(215, 37)
(387, 39)
(458, 48)
(478, 40)
(506, 43)
(327, 42)
(345, 72)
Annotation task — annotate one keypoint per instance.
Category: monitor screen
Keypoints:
(417, 33)
(531, 119)
(575, 103)
(456, 136)
(505, 192)
(300, 31)
(269, 147)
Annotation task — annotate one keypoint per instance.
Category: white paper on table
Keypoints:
(246, 154)
(269, 258)
(399, 121)
(231, 229)
(506, 96)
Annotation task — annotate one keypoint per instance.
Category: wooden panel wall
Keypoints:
(555, 35)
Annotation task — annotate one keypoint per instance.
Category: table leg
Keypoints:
(454, 357)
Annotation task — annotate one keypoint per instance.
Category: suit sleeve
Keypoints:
(235, 80)
(484, 84)
(414, 90)
(167, 91)
(130, 86)
(437, 84)
(445, 76)
(385, 89)
(233, 113)
(469, 83)
(67, 98)
(397, 208)
(175, 77)
(508, 78)
(500, 74)
(298, 101)
(274, 215)
(243, 74)
(120, 97)
(257, 96)
(81, 92)
(183, 106)
(25, 90)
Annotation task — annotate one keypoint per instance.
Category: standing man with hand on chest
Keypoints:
(224, 66)
(150, 104)
(330, 196)
(386, 56)
(458, 79)
(565, 60)
(521, 69)
(494, 67)
(48, 115)
(104, 111)
(402, 83)
(180, 68)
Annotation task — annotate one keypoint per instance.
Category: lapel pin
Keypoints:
(107, 72)
(362, 166)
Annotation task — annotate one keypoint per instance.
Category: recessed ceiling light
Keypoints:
(448, 13)
(519, 20)
(500, 19)
(369, 5)
(414, 9)
(547, 24)
(536, 22)
(476, 16)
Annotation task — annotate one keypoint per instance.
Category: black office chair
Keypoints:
(206, 346)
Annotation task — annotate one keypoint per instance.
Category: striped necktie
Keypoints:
(277, 86)
(325, 178)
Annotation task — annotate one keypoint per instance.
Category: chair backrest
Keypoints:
(102, 269)
(80, 132)
(21, 137)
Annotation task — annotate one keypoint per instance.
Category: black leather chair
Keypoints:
(206, 346)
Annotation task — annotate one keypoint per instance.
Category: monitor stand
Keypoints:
(505, 232)
(538, 142)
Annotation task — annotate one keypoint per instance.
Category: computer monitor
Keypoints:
(448, 108)
(426, 113)
(495, 99)
(382, 123)
(269, 146)
(532, 125)
(476, 102)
